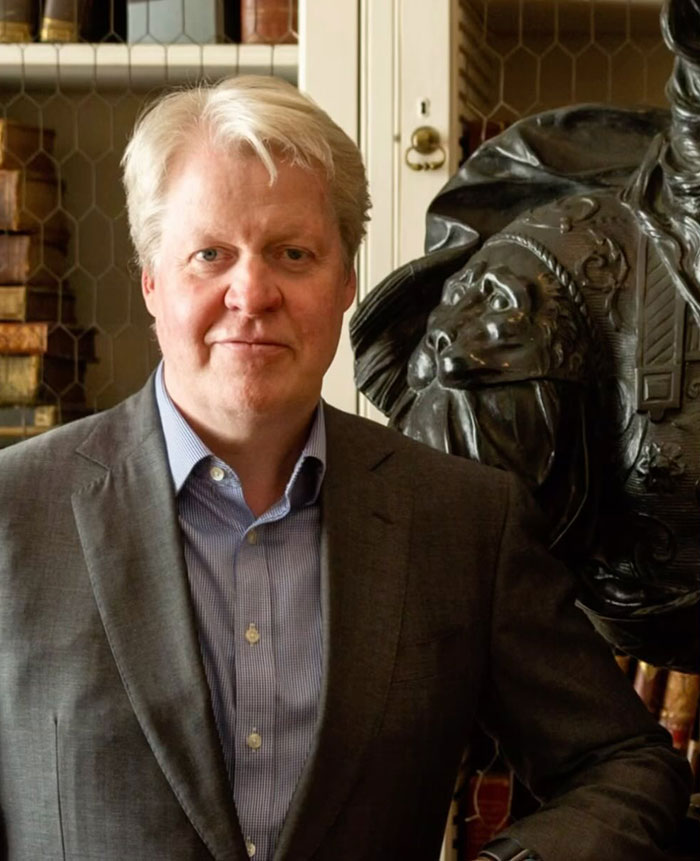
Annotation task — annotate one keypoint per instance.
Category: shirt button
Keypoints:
(252, 537)
(252, 634)
(249, 847)
(217, 473)
(254, 741)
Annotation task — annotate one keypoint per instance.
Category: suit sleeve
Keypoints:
(567, 720)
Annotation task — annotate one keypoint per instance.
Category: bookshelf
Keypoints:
(140, 66)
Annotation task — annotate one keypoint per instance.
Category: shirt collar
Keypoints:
(185, 449)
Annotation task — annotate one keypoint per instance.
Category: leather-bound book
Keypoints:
(272, 22)
(63, 20)
(55, 340)
(680, 706)
(28, 379)
(25, 259)
(26, 199)
(649, 683)
(21, 302)
(20, 422)
(488, 808)
(23, 146)
(17, 20)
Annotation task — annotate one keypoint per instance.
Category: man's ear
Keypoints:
(350, 289)
(147, 289)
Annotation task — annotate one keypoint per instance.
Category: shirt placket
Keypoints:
(254, 732)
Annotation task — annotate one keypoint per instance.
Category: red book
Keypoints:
(488, 809)
(680, 706)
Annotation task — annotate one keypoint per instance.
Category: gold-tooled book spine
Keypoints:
(62, 20)
(12, 31)
(679, 706)
(24, 337)
(16, 20)
(55, 30)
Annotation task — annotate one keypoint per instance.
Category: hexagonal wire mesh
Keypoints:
(67, 106)
(520, 57)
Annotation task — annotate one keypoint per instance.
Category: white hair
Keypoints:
(264, 115)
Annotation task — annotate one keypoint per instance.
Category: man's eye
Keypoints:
(208, 255)
(295, 254)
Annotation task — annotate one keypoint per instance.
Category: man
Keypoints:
(237, 623)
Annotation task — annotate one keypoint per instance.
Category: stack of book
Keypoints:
(43, 354)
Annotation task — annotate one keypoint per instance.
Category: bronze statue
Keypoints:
(553, 328)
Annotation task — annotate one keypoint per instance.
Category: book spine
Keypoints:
(20, 377)
(30, 338)
(649, 682)
(19, 304)
(62, 20)
(488, 809)
(269, 21)
(17, 21)
(28, 147)
(679, 706)
(25, 200)
(23, 257)
(39, 416)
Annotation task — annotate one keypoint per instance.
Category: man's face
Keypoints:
(249, 289)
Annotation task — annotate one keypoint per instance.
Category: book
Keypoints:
(36, 417)
(17, 20)
(649, 683)
(488, 809)
(271, 22)
(679, 707)
(50, 338)
(19, 303)
(24, 146)
(170, 21)
(24, 258)
(26, 199)
(63, 20)
(18, 423)
(28, 379)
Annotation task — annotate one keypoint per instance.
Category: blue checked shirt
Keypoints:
(255, 585)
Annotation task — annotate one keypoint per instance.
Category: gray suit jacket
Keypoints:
(439, 609)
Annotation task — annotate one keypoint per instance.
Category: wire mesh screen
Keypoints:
(74, 333)
(519, 57)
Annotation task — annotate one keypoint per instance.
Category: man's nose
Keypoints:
(252, 287)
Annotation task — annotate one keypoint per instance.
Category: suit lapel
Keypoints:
(127, 522)
(364, 548)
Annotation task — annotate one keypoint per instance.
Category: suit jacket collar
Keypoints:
(140, 584)
(139, 580)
